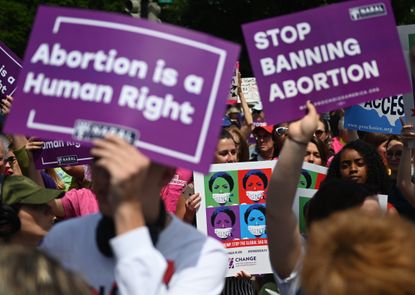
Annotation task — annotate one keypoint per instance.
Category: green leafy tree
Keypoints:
(223, 18)
(16, 17)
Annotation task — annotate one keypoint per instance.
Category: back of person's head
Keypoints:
(375, 139)
(360, 254)
(377, 176)
(240, 142)
(335, 195)
(225, 134)
(25, 270)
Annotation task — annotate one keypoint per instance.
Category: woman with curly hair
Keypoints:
(359, 162)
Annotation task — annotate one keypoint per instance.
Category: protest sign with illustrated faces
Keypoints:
(233, 209)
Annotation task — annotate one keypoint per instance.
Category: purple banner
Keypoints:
(161, 87)
(10, 65)
(336, 56)
(56, 153)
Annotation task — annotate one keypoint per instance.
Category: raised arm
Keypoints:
(283, 233)
(248, 126)
(404, 181)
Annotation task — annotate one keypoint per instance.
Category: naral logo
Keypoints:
(88, 130)
(230, 263)
(73, 159)
(368, 11)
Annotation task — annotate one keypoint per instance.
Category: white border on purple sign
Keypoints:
(15, 61)
(133, 29)
(56, 162)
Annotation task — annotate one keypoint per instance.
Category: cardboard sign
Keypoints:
(250, 90)
(230, 193)
(160, 87)
(233, 91)
(10, 65)
(381, 115)
(336, 56)
(56, 153)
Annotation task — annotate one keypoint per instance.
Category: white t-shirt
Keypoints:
(200, 262)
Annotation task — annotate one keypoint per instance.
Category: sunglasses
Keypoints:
(281, 130)
(10, 160)
(318, 133)
(394, 153)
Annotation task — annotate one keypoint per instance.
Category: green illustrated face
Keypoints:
(303, 182)
(220, 186)
(220, 192)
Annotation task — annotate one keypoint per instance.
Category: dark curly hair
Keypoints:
(378, 181)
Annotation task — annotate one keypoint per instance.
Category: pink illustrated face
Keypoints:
(254, 183)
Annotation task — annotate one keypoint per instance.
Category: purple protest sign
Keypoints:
(335, 56)
(162, 87)
(10, 66)
(56, 153)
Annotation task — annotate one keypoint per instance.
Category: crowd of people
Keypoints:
(126, 225)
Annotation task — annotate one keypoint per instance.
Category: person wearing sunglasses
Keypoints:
(323, 131)
(265, 148)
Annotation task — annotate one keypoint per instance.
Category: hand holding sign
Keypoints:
(134, 179)
(126, 166)
(34, 144)
(6, 105)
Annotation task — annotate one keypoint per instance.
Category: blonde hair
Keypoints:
(55, 177)
(359, 254)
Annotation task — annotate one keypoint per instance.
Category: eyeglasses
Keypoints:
(11, 160)
(281, 130)
(266, 136)
(394, 153)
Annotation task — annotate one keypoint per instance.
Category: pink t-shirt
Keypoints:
(79, 202)
(171, 192)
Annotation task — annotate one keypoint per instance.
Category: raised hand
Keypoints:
(302, 130)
